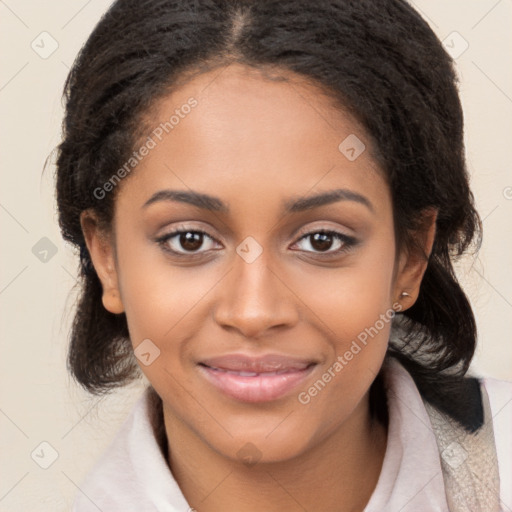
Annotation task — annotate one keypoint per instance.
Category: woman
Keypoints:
(268, 197)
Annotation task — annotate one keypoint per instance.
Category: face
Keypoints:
(263, 315)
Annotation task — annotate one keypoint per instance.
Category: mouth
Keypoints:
(251, 379)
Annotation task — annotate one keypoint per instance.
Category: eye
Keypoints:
(188, 242)
(322, 241)
(185, 242)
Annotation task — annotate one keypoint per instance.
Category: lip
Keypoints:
(256, 379)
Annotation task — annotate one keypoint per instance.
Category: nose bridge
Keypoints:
(254, 298)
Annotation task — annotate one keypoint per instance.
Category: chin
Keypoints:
(257, 446)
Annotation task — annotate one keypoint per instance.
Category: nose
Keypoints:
(255, 298)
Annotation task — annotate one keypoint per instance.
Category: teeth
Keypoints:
(251, 374)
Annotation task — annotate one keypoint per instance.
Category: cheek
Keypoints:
(358, 338)
(353, 311)
(163, 304)
(352, 298)
(158, 296)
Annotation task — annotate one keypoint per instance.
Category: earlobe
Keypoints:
(100, 246)
(112, 301)
(414, 261)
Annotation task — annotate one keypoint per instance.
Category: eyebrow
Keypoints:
(294, 205)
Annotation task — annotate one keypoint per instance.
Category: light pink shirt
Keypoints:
(133, 476)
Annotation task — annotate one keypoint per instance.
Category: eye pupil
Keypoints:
(191, 240)
(321, 241)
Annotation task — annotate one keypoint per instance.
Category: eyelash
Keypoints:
(348, 242)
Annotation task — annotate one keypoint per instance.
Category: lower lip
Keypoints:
(260, 388)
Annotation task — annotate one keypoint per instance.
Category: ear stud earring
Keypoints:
(403, 294)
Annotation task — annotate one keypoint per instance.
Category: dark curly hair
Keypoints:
(380, 61)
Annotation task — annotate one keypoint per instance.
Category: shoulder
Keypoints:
(475, 411)
(132, 474)
(114, 475)
(500, 399)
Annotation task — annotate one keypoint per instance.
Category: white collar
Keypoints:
(411, 477)
(133, 475)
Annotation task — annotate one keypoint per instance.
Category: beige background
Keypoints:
(38, 402)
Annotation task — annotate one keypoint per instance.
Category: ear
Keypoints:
(100, 245)
(413, 261)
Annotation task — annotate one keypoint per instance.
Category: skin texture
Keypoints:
(254, 143)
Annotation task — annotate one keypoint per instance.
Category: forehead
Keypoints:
(250, 135)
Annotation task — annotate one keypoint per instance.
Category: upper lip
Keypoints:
(261, 364)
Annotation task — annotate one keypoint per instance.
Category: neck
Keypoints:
(340, 473)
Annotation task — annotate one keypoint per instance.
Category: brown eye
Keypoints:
(185, 242)
(190, 240)
(323, 241)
